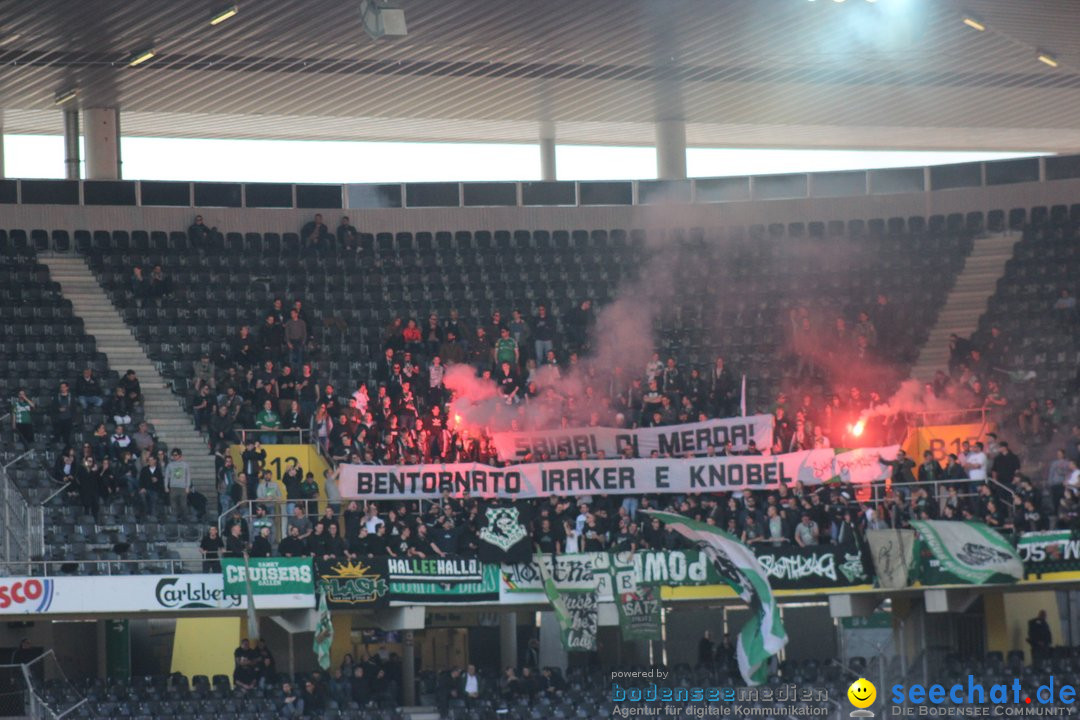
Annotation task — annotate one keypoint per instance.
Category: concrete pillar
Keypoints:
(72, 161)
(508, 650)
(408, 670)
(552, 653)
(547, 159)
(671, 150)
(101, 128)
(547, 151)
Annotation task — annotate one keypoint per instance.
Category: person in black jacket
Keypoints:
(260, 546)
(235, 547)
(151, 484)
(89, 492)
(211, 547)
(1039, 637)
(292, 545)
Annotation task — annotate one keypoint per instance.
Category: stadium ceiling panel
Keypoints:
(892, 73)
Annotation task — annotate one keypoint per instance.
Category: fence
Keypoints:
(22, 534)
(294, 436)
(38, 689)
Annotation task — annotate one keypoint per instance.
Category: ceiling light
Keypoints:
(1047, 59)
(138, 58)
(224, 15)
(65, 96)
(974, 23)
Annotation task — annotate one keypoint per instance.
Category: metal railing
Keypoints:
(294, 436)
(23, 533)
(950, 417)
(90, 566)
(278, 512)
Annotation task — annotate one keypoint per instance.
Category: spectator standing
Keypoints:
(63, 414)
(178, 483)
(151, 484)
(543, 334)
(268, 422)
(296, 335)
(1039, 637)
(211, 547)
(22, 419)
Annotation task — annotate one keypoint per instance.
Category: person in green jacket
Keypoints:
(268, 420)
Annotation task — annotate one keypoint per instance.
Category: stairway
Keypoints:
(103, 321)
(966, 302)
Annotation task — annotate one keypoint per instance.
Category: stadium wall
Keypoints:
(726, 214)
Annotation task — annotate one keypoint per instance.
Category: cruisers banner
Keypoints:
(587, 477)
(269, 576)
(674, 440)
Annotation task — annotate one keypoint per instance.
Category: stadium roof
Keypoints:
(758, 73)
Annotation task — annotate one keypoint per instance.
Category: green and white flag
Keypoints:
(967, 552)
(576, 612)
(638, 605)
(763, 635)
(324, 634)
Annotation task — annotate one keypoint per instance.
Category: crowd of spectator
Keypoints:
(268, 381)
(373, 678)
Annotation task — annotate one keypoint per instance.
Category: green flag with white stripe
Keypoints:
(763, 635)
(324, 633)
(967, 552)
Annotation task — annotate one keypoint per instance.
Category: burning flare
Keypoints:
(857, 428)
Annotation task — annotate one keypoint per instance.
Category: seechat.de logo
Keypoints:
(29, 596)
(862, 694)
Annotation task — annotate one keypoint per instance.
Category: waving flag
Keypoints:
(324, 634)
(763, 635)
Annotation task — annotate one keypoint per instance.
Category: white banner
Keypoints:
(586, 477)
(131, 594)
(863, 466)
(672, 440)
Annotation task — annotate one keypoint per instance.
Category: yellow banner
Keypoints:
(943, 439)
(277, 461)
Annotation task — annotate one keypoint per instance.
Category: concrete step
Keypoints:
(104, 322)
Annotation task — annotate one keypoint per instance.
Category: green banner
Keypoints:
(638, 606)
(487, 590)
(269, 576)
(965, 553)
(1049, 551)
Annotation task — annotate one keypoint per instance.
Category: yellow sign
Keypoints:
(278, 458)
(943, 439)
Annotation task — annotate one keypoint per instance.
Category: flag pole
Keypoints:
(742, 402)
(252, 620)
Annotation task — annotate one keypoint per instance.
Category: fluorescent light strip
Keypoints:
(224, 15)
(140, 57)
(1047, 59)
